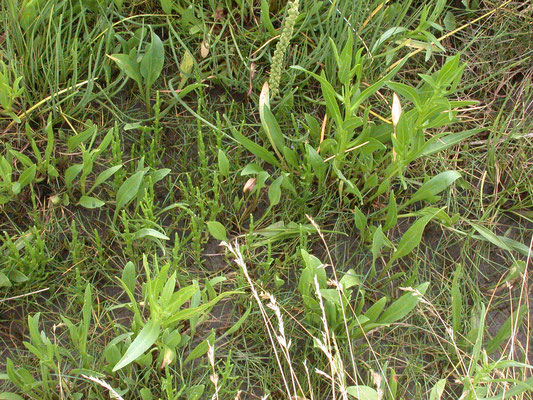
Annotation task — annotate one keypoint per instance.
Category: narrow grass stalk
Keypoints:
(234, 249)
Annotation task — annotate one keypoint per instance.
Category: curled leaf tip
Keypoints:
(396, 109)
(264, 96)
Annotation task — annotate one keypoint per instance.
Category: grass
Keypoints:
(173, 229)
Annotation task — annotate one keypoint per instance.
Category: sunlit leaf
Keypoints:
(90, 202)
(153, 61)
(217, 230)
(144, 340)
(128, 190)
(128, 65)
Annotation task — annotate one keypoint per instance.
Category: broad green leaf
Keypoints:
(254, 148)
(411, 238)
(313, 126)
(449, 71)
(379, 240)
(360, 219)
(106, 141)
(271, 127)
(345, 61)
(128, 190)
(265, 18)
(439, 214)
(71, 173)
(34, 147)
(17, 276)
(25, 179)
(313, 266)
(434, 186)
(4, 280)
(350, 187)
(145, 393)
(383, 187)
(90, 202)
(180, 297)
(393, 384)
(195, 392)
(330, 97)
(437, 390)
(12, 374)
(317, 163)
(291, 157)
(10, 396)
(457, 301)
(386, 35)
(186, 66)
(362, 392)
(404, 135)
(24, 159)
(153, 61)
(217, 230)
(449, 21)
(189, 313)
(29, 11)
(223, 163)
(374, 312)
(515, 245)
(404, 305)
(349, 280)
(86, 313)
(52, 171)
(252, 169)
(370, 182)
(167, 291)
(159, 174)
(128, 65)
(144, 340)
(5, 169)
(278, 282)
(406, 91)
(274, 191)
(104, 176)
(330, 295)
(129, 276)
(141, 233)
(350, 124)
(171, 339)
(200, 349)
(167, 6)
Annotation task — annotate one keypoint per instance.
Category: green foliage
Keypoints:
(358, 138)
(23, 258)
(10, 89)
(167, 312)
(143, 68)
(10, 187)
(347, 296)
(51, 356)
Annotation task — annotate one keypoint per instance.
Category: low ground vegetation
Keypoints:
(265, 199)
